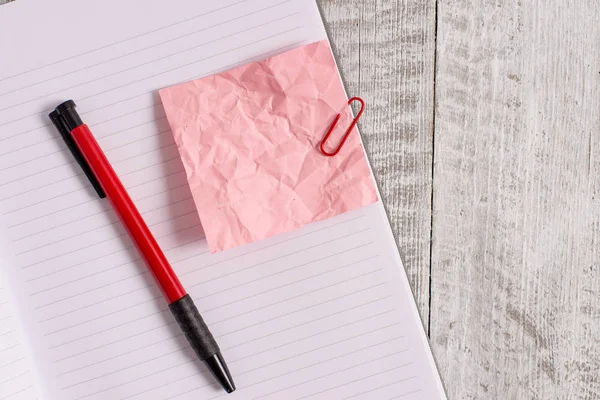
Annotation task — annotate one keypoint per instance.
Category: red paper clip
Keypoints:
(352, 125)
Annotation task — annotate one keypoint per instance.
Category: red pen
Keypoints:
(91, 158)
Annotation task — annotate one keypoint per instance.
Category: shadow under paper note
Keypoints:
(182, 220)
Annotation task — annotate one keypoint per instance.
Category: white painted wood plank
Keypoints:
(516, 241)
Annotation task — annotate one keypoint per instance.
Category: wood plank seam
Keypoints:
(434, 120)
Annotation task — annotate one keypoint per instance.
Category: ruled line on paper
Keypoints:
(331, 359)
(113, 342)
(111, 268)
(166, 133)
(381, 387)
(258, 367)
(81, 174)
(111, 119)
(198, 255)
(107, 330)
(195, 374)
(96, 200)
(216, 263)
(293, 253)
(146, 48)
(113, 219)
(221, 321)
(255, 368)
(194, 227)
(47, 185)
(107, 208)
(263, 55)
(309, 366)
(12, 362)
(111, 314)
(229, 333)
(124, 40)
(103, 301)
(88, 290)
(37, 173)
(164, 72)
(227, 348)
(104, 256)
(197, 61)
(333, 373)
(15, 377)
(363, 378)
(231, 361)
(129, 307)
(154, 388)
(16, 393)
(317, 334)
(126, 249)
(293, 298)
(187, 348)
(302, 309)
(14, 346)
(141, 65)
(75, 250)
(120, 355)
(287, 284)
(406, 394)
(153, 121)
(56, 212)
(101, 287)
(335, 343)
(306, 323)
(267, 247)
(116, 221)
(55, 138)
(32, 160)
(59, 139)
(232, 302)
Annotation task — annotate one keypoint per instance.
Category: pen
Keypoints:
(89, 156)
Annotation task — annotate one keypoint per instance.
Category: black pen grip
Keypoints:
(195, 330)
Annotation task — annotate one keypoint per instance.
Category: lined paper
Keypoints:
(16, 378)
(324, 312)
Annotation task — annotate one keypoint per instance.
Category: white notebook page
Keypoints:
(16, 378)
(324, 312)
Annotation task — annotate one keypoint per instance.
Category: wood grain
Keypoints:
(385, 50)
(515, 310)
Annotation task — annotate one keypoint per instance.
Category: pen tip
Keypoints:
(216, 364)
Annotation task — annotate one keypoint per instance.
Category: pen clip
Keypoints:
(61, 125)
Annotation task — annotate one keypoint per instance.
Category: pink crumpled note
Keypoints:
(249, 140)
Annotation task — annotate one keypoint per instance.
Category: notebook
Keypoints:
(323, 312)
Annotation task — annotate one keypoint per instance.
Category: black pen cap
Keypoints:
(65, 119)
(69, 114)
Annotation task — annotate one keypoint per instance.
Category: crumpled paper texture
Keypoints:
(249, 140)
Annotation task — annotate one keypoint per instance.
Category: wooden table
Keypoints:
(483, 128)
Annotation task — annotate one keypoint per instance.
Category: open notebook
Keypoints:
(324, 312)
